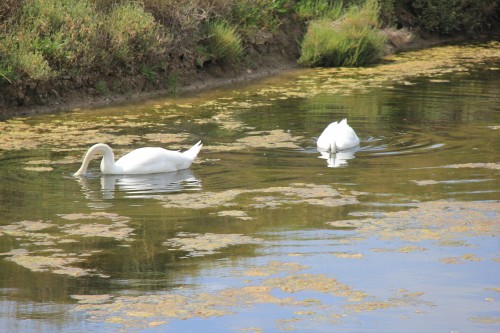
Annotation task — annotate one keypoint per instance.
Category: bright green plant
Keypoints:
(172, 83)
(148, 72)
(223, 43)
(259, 14)
(101, 87)
(315, 9)
(352, 40)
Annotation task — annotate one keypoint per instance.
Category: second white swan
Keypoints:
(140, 161)
(337, 137)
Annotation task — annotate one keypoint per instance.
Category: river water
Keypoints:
(263, 233)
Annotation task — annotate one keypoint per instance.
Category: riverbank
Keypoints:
(60, 70)
(218, 76)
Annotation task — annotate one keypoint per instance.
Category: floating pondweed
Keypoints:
(446, 223)
(39, 254)
(297, 193)
(133, 312)
(203, 244)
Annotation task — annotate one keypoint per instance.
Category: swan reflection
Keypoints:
(143, 186)
(138, 186)
(335, 160)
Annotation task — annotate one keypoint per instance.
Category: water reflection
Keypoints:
(335, 160)
(138, 186)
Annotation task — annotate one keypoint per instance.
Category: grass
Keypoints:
(172, 83)
(351, 40)
(223, 43)
(315, 9)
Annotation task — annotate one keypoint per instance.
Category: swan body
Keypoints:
(337, 137)
(140, 161)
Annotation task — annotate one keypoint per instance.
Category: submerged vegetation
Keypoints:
(51, 47)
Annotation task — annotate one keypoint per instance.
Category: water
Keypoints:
(264, 234)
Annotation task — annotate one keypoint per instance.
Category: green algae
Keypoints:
(297, 193)
(204, 244)
(39, 254)
(492, 166)
(135, 312)
(274, 268)
(434, 221)
(117, 229)
(239, 214)
(315, 282)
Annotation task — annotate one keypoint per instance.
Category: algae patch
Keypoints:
(492, 166)
(239, 214)
(274, 268)
(272, 139)
(159, 309)
(117, 229)
(439, 221)
(297, 193)
(39, 252)
(204, 244)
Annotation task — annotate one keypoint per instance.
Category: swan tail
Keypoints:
(193, 151)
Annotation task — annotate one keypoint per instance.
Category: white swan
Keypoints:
(140, 161)
(337, 137)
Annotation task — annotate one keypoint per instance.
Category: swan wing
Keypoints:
(152, 160)
(345, 137)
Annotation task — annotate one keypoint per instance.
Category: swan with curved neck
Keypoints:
(140, 161)
(337, 137)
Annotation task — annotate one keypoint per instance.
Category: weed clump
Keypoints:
(223, 43)
(351, 39)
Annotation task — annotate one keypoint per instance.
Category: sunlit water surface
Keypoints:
(263, 233)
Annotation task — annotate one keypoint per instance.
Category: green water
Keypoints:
(261, 234)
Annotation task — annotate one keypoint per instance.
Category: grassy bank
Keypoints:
(50, 48)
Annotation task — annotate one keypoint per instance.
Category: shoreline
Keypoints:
(270, 64)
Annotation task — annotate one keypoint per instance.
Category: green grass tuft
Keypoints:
(315, 9)
(223, 43)
(351, 40)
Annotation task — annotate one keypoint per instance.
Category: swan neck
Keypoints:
(108, 159)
